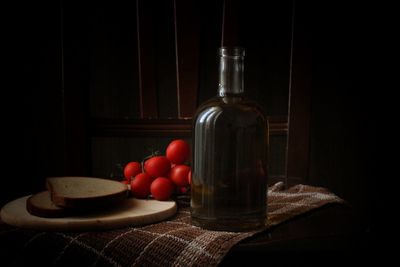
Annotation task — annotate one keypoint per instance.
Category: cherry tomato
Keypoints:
(132, 169)
(178, 151)
(162, 188)
(179, 175)
(140, 185)
(157, 166)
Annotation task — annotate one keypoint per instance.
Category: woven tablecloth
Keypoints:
(174, 242)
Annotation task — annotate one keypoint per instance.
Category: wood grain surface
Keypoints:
(130, 212)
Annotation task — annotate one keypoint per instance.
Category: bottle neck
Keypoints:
(231, 69)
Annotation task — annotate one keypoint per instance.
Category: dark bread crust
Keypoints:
(86, 203)
(47, 212)
(89, 202)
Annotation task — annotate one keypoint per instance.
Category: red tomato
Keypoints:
(178, 151)
(162, 188)
(132, 169)
(140, 185)
(157, 166)
(179, 175)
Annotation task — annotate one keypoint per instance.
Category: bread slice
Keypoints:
(85, 192)
(40, 204)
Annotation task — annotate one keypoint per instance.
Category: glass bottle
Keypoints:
(230, 143)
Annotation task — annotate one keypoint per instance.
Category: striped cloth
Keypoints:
(174, 242)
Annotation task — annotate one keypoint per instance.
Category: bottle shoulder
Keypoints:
(230, 103)
(230, 108)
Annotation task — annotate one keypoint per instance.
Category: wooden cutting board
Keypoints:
(132, 212)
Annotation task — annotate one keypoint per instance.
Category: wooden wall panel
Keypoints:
(187, 55)
(299, 99)
(163, 127)
(264, 30)
(121, 64)
(199, 28)
(146, 58)
(266, 34)
(209, 42)
(113, 56)
(165, 68)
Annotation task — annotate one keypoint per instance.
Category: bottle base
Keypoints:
(230, 225)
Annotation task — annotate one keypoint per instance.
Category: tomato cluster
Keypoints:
(160, 176)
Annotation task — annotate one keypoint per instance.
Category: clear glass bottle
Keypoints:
(230, 144)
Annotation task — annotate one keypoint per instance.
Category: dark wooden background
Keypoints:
(101, 84)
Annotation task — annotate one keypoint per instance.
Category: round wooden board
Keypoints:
(132, 212)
